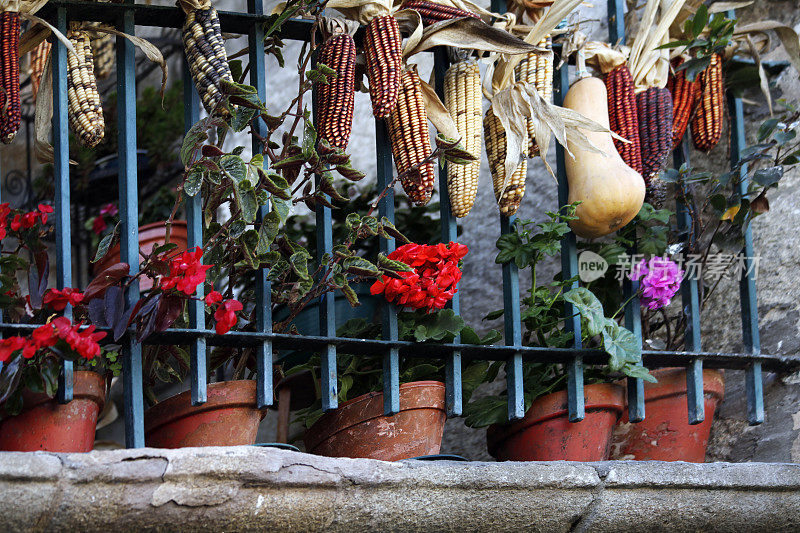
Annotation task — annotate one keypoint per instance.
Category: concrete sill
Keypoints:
(244, 488)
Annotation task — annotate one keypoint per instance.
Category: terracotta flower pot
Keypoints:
(358, 428)
(229, 418)
(665, 433)
(546, 434)
(46, 425)
(150, 236)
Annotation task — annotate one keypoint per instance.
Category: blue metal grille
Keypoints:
(126, 16)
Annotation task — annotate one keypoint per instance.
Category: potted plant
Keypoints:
(545, 432)
(359, 428)
(31, 418)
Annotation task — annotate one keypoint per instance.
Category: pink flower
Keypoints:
(660, 279)
(109, 210)
(99, 225)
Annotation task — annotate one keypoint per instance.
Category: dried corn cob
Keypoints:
(655, 133)
(707, 120)
(205, 52)
(38, 60)
(684, 98)
(622, 115)
(85, 111)
(432, 12)
(104, 55)
(383, 49)
(537, 70)
(336, 97)
(11, 114)
(508, 195)
(462, 97)
(411, 143)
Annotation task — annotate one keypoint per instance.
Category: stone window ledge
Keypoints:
(244, 488)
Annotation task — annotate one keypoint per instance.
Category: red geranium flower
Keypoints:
(186, 272)
(225, 315)
(8, 346)
(213, 297)
(58, 299)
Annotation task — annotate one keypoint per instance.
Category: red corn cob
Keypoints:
(685, 94)
(707, 120)
(11, 115)
(336, 97)
(383, 48)
(655, 133)
(622, 115)
(431, 12)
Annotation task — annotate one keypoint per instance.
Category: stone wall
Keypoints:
(246, 489)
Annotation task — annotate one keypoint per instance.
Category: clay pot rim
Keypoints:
(240, 393)
(86, 385)
(598, 397)
(672, 382)
(330, 424)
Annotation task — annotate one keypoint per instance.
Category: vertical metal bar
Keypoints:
(327, 303)
(513, 331)
(129, 216)
(61, 172)
(449, 234)
(690, 299)
(389, 331)
(194, 225)
(747, 284)
(569, 268)
(633, 316)
(258, 79)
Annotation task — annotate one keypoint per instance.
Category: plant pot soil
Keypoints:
(665, 433)
(229, 418)
(46, 425)
(359, 429)
(546, 434)
(150, 236)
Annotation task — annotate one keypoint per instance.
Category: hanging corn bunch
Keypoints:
(508, 193)
(410, 139)
(623, 117)
(685, 94)
(462, 97)
(537, 70)
(9, 101)
(707, 120)
(205, 52)
(104, 56)
(383, 50)
(336, 97)
(36, 69)
(650, 67)
(433, 12)
(85, 111)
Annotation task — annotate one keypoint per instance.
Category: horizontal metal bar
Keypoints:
(470, 352)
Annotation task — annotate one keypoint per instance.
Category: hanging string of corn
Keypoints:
(205, 53)
(462, 97)
(508, 193)
(410, 139)
(623, 117)
(85, 110)
(707, 120)
(537, 70)
(36, 69)
(337, 94)
(9, 56)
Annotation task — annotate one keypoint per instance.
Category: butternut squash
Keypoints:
(611, 193)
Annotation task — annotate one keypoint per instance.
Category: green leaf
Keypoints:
(234, 167)
(767, 177)
(270, 225)
(621, 346)
(700, 20)
(247, 203)
(360, 267)
(194, 180)
(281, 207)
(105, 244)
(309, 140)
(192, 141)
(590, 308)
(241, 117)
(637, 371)
(299, 263)
(486, 411)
